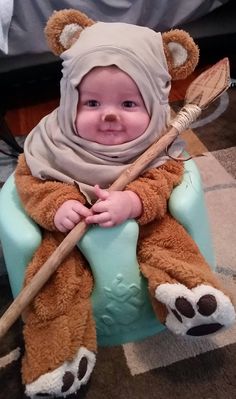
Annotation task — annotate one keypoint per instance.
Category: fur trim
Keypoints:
(201, 310)
(67, 376)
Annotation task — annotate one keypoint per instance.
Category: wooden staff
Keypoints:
(202, 91)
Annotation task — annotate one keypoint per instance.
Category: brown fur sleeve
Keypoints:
(154, 188)
(41, 199)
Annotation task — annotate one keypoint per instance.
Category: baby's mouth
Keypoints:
(111, 129)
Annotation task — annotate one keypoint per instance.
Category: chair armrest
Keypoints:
(187, 205)
(19, 234)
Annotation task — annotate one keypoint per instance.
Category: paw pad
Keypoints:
(68, 377)
(204, 329)
(184, 307)
(207, 305)
(82, 369)
(68, 380)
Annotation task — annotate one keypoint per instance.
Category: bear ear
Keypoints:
(63, 29)
(181, 52)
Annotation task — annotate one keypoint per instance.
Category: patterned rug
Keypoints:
(164, 366)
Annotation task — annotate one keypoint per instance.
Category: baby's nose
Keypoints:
(110, 118)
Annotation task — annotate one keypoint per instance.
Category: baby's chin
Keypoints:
(111, 142)
(108, 138)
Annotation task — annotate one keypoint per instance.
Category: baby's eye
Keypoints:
(92, 103)
(129, 104)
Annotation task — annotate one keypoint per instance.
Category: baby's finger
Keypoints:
(100, 193)
(61, 228)
(98, 218)
(74, 216)
(81, 210)
(107, 224)
(68, 224)
(100, 207)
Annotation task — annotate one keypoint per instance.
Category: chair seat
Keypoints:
(120, 298)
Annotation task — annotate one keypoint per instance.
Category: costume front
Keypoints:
(59, 331)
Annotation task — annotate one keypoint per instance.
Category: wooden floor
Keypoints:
(23, 118)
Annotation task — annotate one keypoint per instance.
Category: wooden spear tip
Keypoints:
(209, 85)
(224, 61)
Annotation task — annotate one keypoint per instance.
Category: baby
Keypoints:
(114, 105)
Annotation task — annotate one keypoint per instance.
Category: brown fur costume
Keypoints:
(59, 321)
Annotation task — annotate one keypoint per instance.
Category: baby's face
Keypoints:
(111, 110)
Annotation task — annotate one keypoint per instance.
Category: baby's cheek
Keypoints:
(86, 125)
(81, 123)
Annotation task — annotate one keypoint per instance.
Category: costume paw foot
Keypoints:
(198, 311)
(66, 379)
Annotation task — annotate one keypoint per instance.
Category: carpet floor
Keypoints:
(164, 366)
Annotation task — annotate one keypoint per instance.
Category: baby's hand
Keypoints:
(69, 214)
(114, 207)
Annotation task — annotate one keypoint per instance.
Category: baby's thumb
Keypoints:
(100, 193)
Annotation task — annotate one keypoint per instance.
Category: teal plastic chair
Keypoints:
(120, 299)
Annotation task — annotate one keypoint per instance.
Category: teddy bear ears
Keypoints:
(64, 27)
